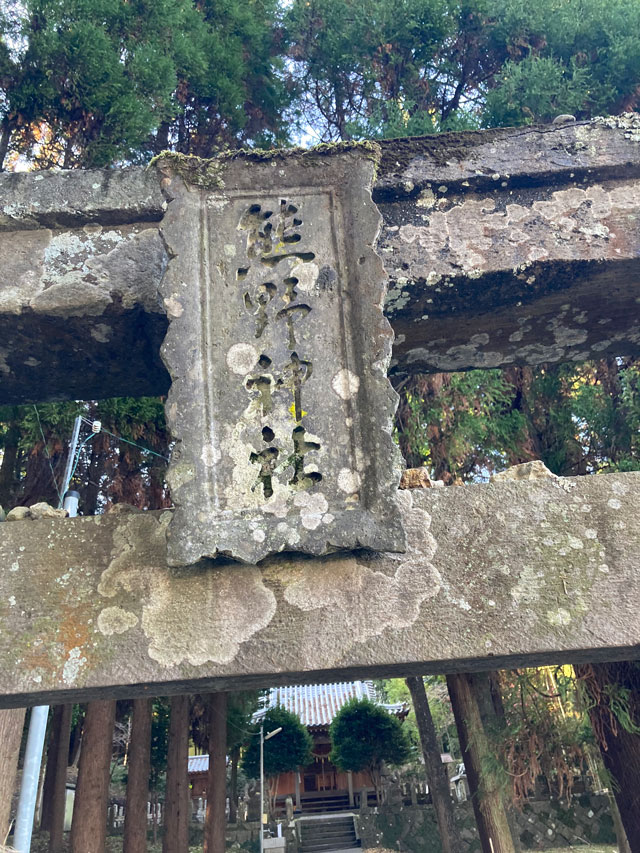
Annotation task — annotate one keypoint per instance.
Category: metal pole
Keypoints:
(30, 779)
(262, 787)
(70, 459)
(40, 714)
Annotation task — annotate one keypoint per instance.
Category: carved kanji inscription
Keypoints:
(278, 351)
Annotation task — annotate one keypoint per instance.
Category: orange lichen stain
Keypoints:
(73, 630)
(37, 658)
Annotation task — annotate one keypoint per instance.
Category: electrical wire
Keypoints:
(87, 440)
(126, 441)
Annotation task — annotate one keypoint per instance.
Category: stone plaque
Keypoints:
(278, 352)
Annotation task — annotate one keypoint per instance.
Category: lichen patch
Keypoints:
(242, 358)
(344, 586)
(72, 666)
(345, 384)
(116, 620)
(232, 607)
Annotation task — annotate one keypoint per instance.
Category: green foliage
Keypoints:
(240, 709)
(578, 419)
(401, 67)
(236, 94)
(93, 77)
(536, 89)
(363, 735)
(34, 445)
(351, 57)
(55, 418)
(89, 82)
(395, 690)
(565, 56)
(544, 732)
(93, 82)
(285, 751)
(462, 425)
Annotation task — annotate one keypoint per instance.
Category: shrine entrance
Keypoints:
(252, 290)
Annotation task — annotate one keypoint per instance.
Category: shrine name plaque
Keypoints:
(278, 353)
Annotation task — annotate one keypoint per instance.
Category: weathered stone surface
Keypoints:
(521, 156)
(45, 510)
(418, 478)
(503, 247)
(278, 353)
(504, 574)
(59, 199)
(514, 247)
(534, 470)
(18, 513)
(73, 302)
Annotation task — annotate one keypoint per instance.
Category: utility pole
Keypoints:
(263, 737)
(40, 714)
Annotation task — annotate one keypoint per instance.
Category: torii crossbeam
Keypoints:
(502, 247)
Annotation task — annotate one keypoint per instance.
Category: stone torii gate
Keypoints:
(291, 556)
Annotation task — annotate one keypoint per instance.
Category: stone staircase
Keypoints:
(328, 833)
(332, 802)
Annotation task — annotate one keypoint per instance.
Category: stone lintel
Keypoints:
(508, 574)
(71, 199)
(514, 246)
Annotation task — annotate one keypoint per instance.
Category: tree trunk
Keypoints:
(613, 686)
(135, 813)
(11, 725)
(215, 821)
(60, 736)
(89, 825)
(75, 741)
(436, 773)
(233, 798)
(6, 130)
(486, 686)
(621, 835)
(10, 446)
(176, 806)
(161, 140)
(488, 805)
(50, 769)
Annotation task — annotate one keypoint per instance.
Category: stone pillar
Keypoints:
(297, 789)
(253, 806)
(364, 800)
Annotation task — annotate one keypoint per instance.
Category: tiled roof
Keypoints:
(317, 704)
(198, 764)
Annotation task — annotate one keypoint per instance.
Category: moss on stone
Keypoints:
(441, 148)
(207, 173)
